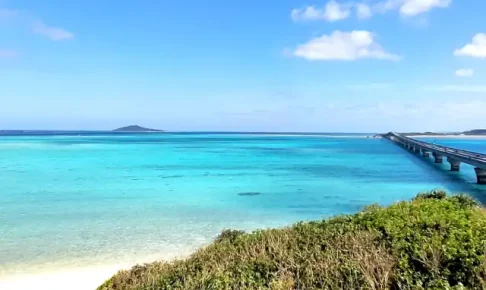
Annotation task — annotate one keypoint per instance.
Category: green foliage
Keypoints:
(434, 194)
(228, 236)
(432, 242)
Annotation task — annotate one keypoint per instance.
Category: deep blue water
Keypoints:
(83, 198)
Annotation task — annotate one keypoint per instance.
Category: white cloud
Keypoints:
(307, 14)
(409, 7)
(6, 53)
(388, 5)
(51, 32)
(363, 11)
(465, 72)
(416, 7)
(477, 48)
(345, 46)
(333, 11)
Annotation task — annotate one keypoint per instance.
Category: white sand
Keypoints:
(79, 277)
(74, 279)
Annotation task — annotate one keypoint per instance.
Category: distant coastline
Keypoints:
(470, 134)
(474, 132)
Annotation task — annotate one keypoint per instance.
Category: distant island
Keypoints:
(136, 128)
(475, 132)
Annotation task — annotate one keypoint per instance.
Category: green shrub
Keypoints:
(434, 194)
(228, 236)
(432, 242)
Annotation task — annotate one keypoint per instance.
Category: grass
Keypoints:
(431, 242)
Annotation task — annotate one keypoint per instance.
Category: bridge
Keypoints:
(454, 156)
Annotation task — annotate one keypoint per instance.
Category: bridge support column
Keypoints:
(416, 149)
(455, 164)
(481, 175)
(438, 158)
(426, 154)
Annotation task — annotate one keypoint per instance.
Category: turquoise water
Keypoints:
(83, 199)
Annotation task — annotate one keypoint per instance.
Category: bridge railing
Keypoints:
(445, 149)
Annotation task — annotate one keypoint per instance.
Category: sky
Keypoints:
(254, 65)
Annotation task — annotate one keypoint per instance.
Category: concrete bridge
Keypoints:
(454, 156)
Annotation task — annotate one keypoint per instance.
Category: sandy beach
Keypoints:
(76, 276)
(74, 279)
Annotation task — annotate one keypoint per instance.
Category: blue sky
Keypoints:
(328, 66)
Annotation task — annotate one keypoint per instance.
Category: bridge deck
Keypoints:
(473, 158)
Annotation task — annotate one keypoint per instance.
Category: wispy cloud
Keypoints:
(476, 48)
(334, 11)
(465, 72)
(458, 88)
(54, 33)
(7, 53)
(38, 26)
(409, 8)
(416, 7)
(344, 46)
(363, 11)
(6, 13)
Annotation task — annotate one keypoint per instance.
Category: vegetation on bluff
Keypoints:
(432, 242)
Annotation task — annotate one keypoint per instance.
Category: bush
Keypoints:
(432, 242)
(434, 194)
(228, 236)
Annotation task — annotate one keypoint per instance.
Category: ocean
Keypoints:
(75, 199)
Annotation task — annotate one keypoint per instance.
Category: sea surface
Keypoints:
(71, 199)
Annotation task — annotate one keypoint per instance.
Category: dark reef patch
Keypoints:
(249, 193)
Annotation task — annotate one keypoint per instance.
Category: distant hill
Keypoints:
(136, 128)
(475, 132)
(429, 134)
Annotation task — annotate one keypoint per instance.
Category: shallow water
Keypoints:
(90, 198)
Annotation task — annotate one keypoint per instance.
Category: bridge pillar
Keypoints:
(416, 149)
(438, 158)
(455, 164)
(426, 153)
(481, 175)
